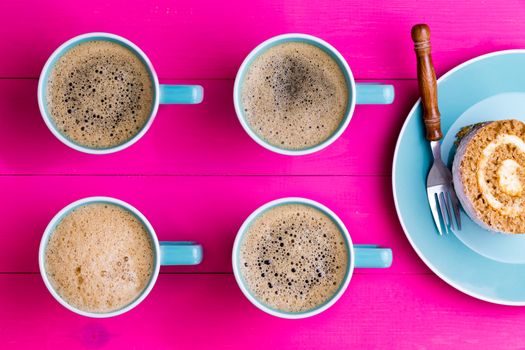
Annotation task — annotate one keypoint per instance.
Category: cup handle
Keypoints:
(368, 255)
(181, 94)
(374, 94)
(180, 253)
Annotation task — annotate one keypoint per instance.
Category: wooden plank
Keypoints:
(206, 209)
(194, 42)
(209, 311)
(204, 139)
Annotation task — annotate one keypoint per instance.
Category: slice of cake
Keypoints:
(489, 175)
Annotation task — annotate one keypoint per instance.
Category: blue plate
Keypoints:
(477, 262)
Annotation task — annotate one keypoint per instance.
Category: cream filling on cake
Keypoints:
(509, 179)
(507, 172)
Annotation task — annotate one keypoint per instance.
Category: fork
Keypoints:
(440, 191)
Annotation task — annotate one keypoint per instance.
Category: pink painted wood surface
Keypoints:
(388, 311)
(209, 39)
(207, 209)
(204, 42)
(200, 139)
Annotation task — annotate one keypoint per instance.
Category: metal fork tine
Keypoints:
(443, 209)
(455, 208)
(432, 200)
(448, 209)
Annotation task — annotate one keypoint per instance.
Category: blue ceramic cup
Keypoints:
(363, 93)
(164, 253)
(360, 256)
(163, 94)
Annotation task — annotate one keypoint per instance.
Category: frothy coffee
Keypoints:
(293, 258)
(99, 258)
(294, 95)
(99, 94)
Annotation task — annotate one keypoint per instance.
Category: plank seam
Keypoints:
(7, 273)
(193, 175)
(223, 79)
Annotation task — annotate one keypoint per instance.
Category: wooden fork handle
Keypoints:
(426, 77)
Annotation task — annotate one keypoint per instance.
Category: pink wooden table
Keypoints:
(197, 175)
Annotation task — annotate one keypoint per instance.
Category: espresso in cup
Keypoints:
(99, 258)
(99, 94)
(294, 95)
(293, 258)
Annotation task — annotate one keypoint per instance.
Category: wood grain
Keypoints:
(204, 42)
(190, 40)
(209, 311)
(426, 77)
(205, 139)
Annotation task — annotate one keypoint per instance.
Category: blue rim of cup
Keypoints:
(295, 37)
(60, 216)
(48, 67)
(236, 258)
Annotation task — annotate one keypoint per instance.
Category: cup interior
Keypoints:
(49, 66)
(302, 38)
(95, 200)
(242, 282)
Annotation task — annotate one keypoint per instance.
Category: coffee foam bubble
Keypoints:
(99, 258)
(99, 94)
(294, 95)
(293, 258)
